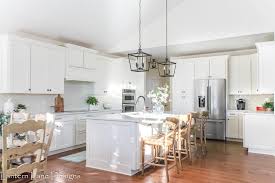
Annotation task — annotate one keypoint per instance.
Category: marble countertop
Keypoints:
(138, 117)
(250, 112)
(69, 112)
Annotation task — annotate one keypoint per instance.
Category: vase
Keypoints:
(158, 108)
(93, 108)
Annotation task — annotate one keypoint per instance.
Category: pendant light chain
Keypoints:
(166, 59)
(139, 24)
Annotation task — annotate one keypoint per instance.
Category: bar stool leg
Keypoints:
(142, 157)
(166, 164)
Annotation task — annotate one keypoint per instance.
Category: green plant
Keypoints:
(92, 101)
(268, 105)
(4, 119)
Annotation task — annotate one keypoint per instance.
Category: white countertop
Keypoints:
(138, 117)
(250, 112)
(86, 111)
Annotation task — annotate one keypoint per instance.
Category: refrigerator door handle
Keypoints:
(209, 99)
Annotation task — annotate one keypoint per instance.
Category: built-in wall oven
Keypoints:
(128, 100)
(128, 107)
(128, 96)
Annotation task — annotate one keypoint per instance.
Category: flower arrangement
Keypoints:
(268, 104)
(160, 95)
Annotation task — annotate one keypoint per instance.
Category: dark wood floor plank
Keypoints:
(224, 163)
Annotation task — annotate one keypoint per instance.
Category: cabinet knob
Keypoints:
(30, 89)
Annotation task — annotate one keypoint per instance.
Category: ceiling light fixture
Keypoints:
(139, 61)
(166, 68)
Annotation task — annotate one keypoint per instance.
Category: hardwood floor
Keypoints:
(225, 162)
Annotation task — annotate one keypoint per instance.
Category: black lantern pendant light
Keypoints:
(139, 61)
(166, 68)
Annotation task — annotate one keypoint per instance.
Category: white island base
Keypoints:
(259, 132)
(113, 141)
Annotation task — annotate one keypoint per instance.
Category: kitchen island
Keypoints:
(113, 140)
(259, 136)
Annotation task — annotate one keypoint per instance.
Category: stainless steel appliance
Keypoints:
(240, 104)
(210, 95)
(128, 96)
(128, 100)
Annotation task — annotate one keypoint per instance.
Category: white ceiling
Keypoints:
(111, 25)
(208, 47)
(100, 24)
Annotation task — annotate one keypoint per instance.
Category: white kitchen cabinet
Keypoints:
(202, 68)
(232, 127)
(64, 134)
(75, 57)
(29, 66)
(240, 120)
(102, 74)
(183, 87)
(259, 133)
(218, 67)
(211, 67)
(244, 75)
(80, 132)
(266, 55)
(254, 74)
(233, 75)
(90, 60)
(81, 63)
(47, 69)
(240, 75)
(15, 67)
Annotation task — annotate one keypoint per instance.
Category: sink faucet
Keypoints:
(144, 108)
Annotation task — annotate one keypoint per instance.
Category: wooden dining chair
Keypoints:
(50, 126)
(13, 152)
(161, 144)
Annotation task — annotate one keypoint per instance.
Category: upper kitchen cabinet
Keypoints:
(211, 67)
(266, 56)
(15, 66)
(254, 74)
(202, 68)
(30, 66)
(243, 75)
(218, 67)
(81, 63)
(183, 87)
(47, 69)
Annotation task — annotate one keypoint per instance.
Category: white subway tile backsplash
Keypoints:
(252, 101)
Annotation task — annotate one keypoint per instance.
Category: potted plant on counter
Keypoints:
(93, 103)
(268, 105)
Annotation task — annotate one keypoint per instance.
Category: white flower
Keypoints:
(267, 100)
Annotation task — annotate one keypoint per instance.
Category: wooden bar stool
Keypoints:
(183, 148)
(161, 144)
(201, 122)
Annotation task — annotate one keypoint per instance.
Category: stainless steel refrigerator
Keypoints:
(210, 95)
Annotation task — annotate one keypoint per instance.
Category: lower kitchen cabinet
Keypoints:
(234, 125)
(80, 132)
(64, 134)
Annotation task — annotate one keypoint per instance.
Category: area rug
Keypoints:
(76, 158)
